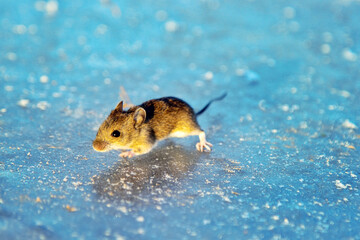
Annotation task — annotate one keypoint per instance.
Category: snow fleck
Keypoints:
(23, 102)
(206, 221)
(51, 7)
(19, 29)
(340, 185)
(123, 209)
(3, 110)
(348, 124)
(293, 90)
(285, 107)
(349, 55)
(325, 48)
(9, 88)
(107, 81)
(344, 93)
(101, 29)
(303, 125)
(289, 12)
(11, 56)
(240, 72)
(155, 88)
(140, 219)
(107, 232)
(209, 75)
(171, 26)
(275, 217)
(141, 231)
(43, 105)
(44, 79)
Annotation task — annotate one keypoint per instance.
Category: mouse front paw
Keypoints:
(201, 146)
(127, 154)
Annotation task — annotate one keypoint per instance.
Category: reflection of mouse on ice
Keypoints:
(140, 127)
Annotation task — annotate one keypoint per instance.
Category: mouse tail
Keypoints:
(209, 103)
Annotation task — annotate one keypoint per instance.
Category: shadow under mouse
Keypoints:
(147, 178)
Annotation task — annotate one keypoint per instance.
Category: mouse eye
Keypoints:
(115, 133)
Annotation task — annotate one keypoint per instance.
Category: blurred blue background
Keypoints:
(285, 163)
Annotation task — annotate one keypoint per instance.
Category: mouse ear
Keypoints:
(139, 117)
(119, 107)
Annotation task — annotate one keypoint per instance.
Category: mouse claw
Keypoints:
(128, 154)
(204, 146)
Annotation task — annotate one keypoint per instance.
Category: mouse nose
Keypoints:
(100, 146)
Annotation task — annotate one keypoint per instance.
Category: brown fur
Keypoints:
(165, 117)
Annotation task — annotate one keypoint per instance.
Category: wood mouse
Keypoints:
(140, 127)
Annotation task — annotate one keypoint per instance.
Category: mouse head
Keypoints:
(120, 129)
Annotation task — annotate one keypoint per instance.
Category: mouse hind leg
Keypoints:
(190, 127)
(203, 145)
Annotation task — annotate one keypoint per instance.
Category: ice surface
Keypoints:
(285, 163)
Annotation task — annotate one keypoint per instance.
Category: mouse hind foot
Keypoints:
(203, 145)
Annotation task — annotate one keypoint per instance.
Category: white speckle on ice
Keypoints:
(240, 72)
(107, 81)
(9, 88)
(155, 88)
(303, 125)
(348, 124)
(349, 55)
(286, 221)
(101, 29)
(43, 105)
(209, 75)
(226, 198)
(275, 217)
(289, 12)
(19, 29)
(140, 219)
(3, 110)
(44, 79)
(340, 185)
(118, 237)
(123, 209)
(206, 221)
(56, 94)
(141, 231)
(23, 102)
(11, 56)
(171, 26)
(325, 48)
(51, 7)
(344, 93)
(285, 107)
(107, 232)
